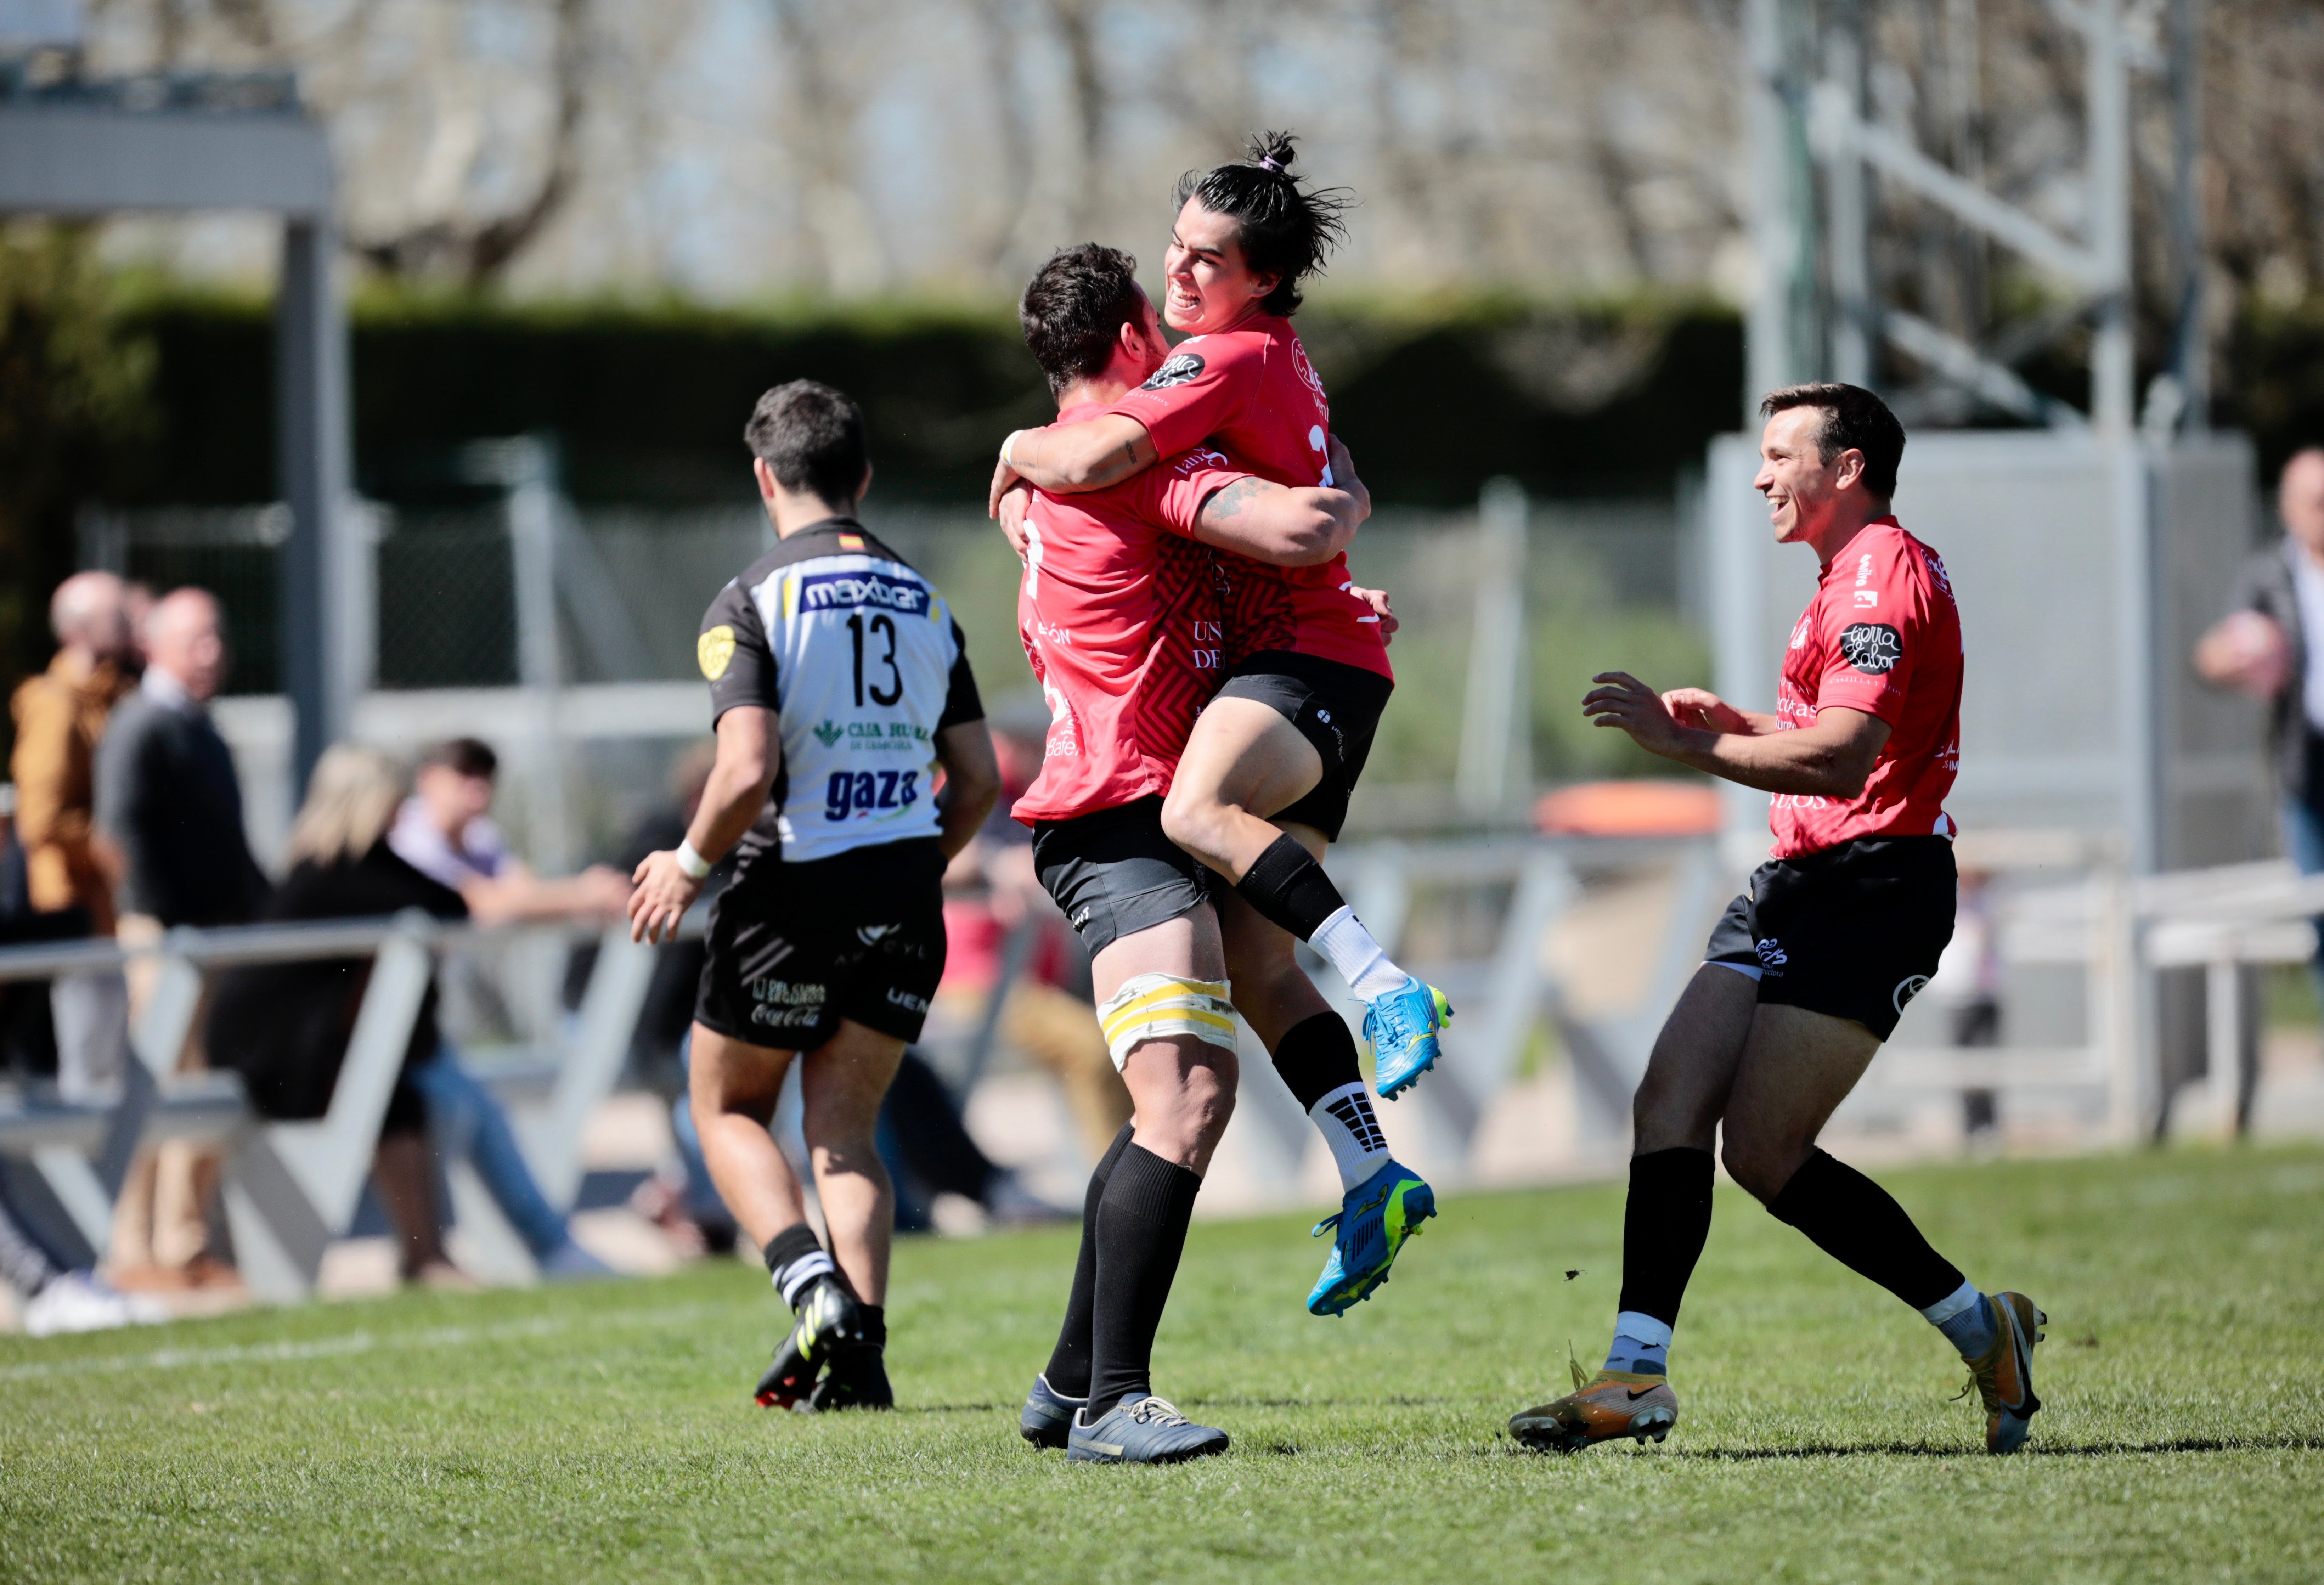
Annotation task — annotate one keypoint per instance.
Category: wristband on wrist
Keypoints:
(692, 863)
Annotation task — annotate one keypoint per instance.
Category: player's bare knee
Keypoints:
(1761, 1166)
(1194, 823)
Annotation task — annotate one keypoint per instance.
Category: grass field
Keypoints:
(606, 1431)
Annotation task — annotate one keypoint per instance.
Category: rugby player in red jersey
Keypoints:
(1811, 968)
(1120, 618)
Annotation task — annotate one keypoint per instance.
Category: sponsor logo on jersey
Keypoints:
(1906, 988)
(905, 999)
(1771, 954)
(829, 732)
(1872, 647)
(874, 934)
(1867, 598)
(714, 651)
(837, 591)
(1800, 634)
(1194, 462)
(1175, 370)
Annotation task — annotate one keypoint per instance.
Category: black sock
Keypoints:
(1860, 1224)
(1317, 1057)
(1288, 888)
(1664, 1222)
(794, 1259)
(875, 1324)
(1141, 1231)
(1068, 1374)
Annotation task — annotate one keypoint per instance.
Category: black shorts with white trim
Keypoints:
(1114, 873)
(795, 948)
(1853, 932)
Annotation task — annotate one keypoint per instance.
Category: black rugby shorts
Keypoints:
(1114, 873)
(1852, 932)
(1335, 707)
(794, 948)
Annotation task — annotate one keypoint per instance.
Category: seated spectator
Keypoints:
(51, 1298)
(285, 1027)
(444, 831)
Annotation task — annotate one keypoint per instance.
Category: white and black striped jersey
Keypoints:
(862, 664)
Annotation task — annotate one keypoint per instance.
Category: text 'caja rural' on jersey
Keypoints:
(1251, 392)
(862, 664)
(1120, 617)
(1883, 636)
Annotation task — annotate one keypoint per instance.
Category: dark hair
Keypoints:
(1074, 310)
(1854, 419)
(462, 756)
(812, 436)
(1285, 226)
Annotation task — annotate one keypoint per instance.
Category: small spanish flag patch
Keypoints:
(848, 542)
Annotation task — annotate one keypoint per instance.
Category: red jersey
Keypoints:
(1251, 391)
(1883, 636)
(1119, 615)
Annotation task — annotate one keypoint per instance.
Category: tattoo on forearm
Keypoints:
(1230, 501)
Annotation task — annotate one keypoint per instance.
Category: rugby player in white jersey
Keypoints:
(839, 688)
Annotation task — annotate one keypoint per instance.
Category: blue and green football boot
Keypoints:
(1401, 1029)
(1374, 1219)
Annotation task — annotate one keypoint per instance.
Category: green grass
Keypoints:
(606, 1431)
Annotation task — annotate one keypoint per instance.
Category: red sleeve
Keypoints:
(1875, 627)
(1202, 390)
(1171, 493)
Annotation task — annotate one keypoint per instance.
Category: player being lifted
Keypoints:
(839, 687)
(1811, 968)
(1120, 615)
(1267, 770)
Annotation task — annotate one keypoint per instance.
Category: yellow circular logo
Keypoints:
(714, 649)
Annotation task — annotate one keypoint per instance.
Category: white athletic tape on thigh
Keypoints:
(1151, 1006)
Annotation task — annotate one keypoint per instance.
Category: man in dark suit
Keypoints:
(168, 798)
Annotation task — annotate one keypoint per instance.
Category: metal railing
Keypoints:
(293, 1187)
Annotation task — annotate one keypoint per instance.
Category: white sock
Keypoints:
(1349, 1126)
(792, 1279)
(1350, 948)
(1641, 1345)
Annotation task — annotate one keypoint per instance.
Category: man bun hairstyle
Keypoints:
(1285, 226)
(812, 437)
(1073, 312)
(1854, 419)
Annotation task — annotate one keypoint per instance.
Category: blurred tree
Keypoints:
(74, 386)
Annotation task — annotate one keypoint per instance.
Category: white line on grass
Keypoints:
(354, 1343)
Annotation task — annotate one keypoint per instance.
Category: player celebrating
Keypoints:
(839, 686)
(1120, 616)
(1266, 778)
(1809, 969)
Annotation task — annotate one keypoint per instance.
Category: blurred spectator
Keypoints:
(444, 831)
(285, 1027)
(2270, 646)
(995, 908)
(168, 798)
(927, 1152)
(1967, 986)
(52, 1299)
(69, 871)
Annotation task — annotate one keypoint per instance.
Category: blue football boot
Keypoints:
(1374, 1219)
(1401, 1029)
(1141, 1431)
(1047, 1417)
